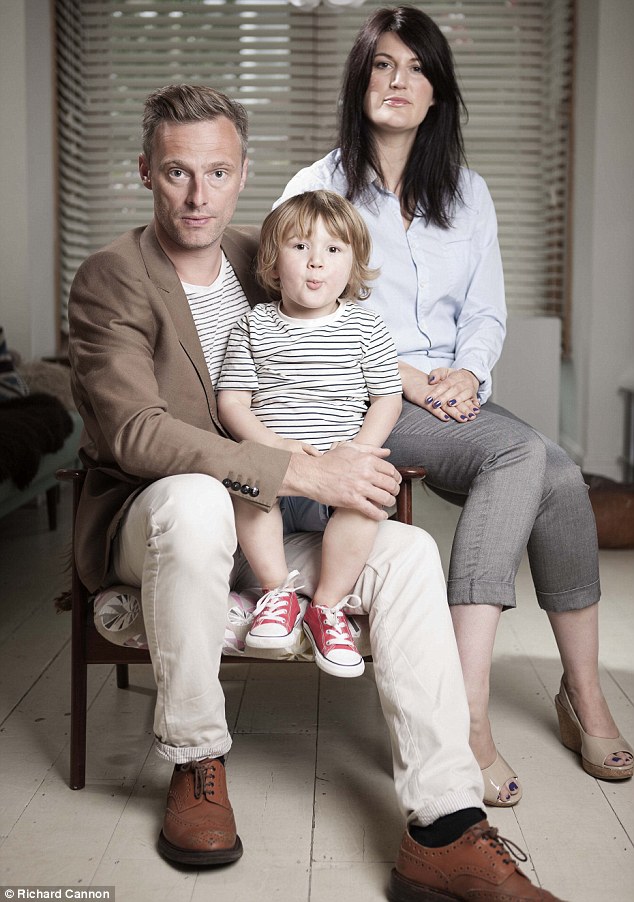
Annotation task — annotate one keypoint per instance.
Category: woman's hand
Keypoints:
(447, 394)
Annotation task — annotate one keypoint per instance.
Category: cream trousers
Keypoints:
(178, 542)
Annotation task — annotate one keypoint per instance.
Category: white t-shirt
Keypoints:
(215, 309)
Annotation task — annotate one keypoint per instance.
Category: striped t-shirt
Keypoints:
(311, 378)
(215, 309)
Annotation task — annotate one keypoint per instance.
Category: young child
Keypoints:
(310, 370)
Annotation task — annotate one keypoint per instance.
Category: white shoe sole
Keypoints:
(276, 641)
(338, 670)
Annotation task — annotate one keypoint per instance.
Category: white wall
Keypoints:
(526, 377)
(27, 198)
(592, 410)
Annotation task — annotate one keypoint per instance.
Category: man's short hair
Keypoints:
(190, 103)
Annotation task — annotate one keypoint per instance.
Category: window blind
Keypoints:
(514, 61)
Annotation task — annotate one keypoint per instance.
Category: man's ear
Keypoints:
(144, 171)
(245, 170)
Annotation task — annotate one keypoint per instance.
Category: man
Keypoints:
(150, 316)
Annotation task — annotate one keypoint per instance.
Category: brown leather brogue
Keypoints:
(199, 827)
(476, 866)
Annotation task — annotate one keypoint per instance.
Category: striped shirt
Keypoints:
(215, 309)
(311, 379)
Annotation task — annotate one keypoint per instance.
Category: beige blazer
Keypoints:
(143, 390)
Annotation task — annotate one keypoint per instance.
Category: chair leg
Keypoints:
(122, 676)
(52, 496)
(404, 502)
(404, 497)
(78, 703)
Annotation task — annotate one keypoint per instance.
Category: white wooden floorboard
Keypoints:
(309, 773)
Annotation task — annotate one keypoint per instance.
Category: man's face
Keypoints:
(196, 173)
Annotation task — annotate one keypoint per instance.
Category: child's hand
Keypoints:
(297, 447)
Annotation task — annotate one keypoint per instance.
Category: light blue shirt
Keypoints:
(440, 292)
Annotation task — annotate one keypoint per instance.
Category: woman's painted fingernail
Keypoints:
(471, 416)
(452, 402)
(437, 404)
(429, 400)
(462, 416)
(476, 409)
(447, 416)
(431, 378)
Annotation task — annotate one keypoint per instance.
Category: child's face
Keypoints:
(313, 272)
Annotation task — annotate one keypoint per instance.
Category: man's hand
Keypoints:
(356, 478)
(447, 394)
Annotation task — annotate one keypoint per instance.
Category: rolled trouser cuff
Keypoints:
(447, 804)
(572, 600)
(481, 591)
(191, 753)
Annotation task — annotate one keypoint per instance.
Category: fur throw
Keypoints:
(30, 426)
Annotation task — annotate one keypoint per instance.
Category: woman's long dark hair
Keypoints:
(431, 181)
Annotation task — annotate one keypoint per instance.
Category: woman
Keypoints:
(440, 292)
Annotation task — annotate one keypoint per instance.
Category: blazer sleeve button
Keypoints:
(226, 482)
(236, 486)
(254, 492)
(245, 489)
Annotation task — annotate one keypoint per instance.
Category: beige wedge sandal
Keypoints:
(495, 777)
(593, 749)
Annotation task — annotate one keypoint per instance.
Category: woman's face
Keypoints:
(398, 95)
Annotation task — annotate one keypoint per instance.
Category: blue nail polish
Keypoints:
(471, 416)
(437, 404)
(462, 416)
(446, 416)
(476, 409)
(513, 787)
(452, 402)
(428, 400)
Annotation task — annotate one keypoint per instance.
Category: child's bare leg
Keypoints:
(261, 538)
(347, 543)
(277, 620)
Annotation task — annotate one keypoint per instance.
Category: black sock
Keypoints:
(446, 829)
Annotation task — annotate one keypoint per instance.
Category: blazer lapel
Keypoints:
(162, 273)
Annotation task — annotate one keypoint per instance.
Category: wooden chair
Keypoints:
(88, 646)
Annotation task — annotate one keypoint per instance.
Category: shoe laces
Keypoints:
(338, 631)
(500, 844)
(204, 777)
(275, 602)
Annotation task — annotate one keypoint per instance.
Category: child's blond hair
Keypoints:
(297, 216)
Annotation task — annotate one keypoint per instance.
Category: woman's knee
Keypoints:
(563, 477)
(526, 449)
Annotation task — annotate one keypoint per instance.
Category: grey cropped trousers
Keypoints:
(518, 490)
